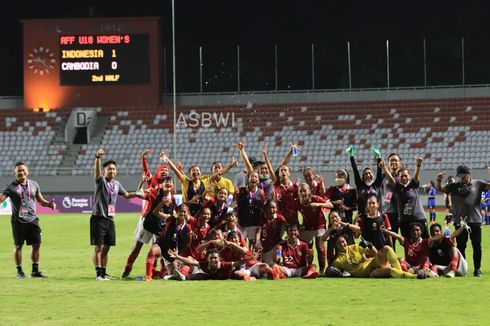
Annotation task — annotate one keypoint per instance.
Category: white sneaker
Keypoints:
(167, 277)
(345, 274)
(101, 278)
(450, 274)
(432, 274)
(178, 275)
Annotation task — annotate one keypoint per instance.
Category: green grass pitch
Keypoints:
(71, 296)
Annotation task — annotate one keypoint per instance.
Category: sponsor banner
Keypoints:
(84, 204)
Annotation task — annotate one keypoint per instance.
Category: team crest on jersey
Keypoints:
(473, 188)
(300, 254)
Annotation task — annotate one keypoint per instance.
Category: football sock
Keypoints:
(35, 267)
(150, 260)
(454, 263)
(19, 268)
(98, 271)
(102, 270)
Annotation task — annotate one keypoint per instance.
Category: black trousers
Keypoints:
(475, 237)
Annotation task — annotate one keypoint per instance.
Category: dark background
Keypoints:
(292, 27)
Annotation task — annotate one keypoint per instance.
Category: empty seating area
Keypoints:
(446, 132)
(28, 136)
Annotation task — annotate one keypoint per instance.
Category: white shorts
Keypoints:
(309, 235)
(462, 269)
(249, 232)
(293, 272)
(268, 257)
(143, 235)
(254, 270)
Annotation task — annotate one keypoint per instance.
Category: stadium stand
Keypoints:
(30, 136)
(443, 131)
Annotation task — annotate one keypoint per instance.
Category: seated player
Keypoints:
(271, 233)
(416, 258)
(364, 260)
(444, 257)
(296, 256)
(213, 268)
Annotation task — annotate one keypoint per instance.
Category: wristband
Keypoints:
(419, 165)
(97, 156)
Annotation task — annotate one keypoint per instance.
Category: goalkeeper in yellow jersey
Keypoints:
(364, 260)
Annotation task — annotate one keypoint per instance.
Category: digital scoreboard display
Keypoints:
(104, 59)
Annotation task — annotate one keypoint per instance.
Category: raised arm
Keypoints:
(233, 164)
(244, 157)
(439, 185)
(387, 172)
(272, 174)
(177, 171)
(144, 164)
(419, 161)
(289, 154)
(97, 164)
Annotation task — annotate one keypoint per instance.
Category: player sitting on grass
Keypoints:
(364, 260)
(296, 257)
(213, 268)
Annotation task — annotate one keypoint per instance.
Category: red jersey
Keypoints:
(285, 196)
(294, 257)
(224, 272)
(416, 253)
(153, 182)
(313, 217)
(315, 189)
(200, 234)
(271, 233)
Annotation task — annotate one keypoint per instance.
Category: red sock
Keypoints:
(404, 265)
(434, 269)
(150, 260)
(185, 270)
(454, 263)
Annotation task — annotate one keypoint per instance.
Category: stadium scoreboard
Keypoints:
(104, 59)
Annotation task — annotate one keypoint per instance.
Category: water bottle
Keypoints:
(279, 254)
(447, 232)
(295, 152)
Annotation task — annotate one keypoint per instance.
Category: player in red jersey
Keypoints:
(444, 257)
(315, 181)
(312, 208)
(199, 232)
(272, 230)
(175, 235)
(416, 258)
(144, 236)
(213, 268)
(296, 256)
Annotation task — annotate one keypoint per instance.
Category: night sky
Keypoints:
(219, 26)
